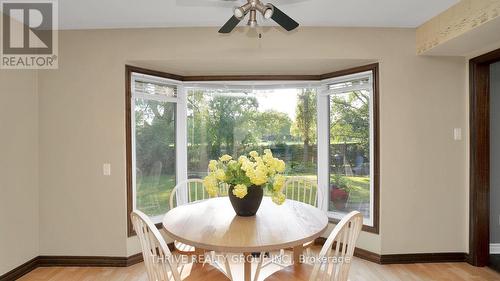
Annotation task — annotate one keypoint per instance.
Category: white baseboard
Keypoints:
(495, 248)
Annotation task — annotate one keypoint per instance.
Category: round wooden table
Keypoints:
(212, 225)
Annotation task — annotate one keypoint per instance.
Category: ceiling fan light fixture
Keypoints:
(265, 10)
(240, 12)
(268, 11)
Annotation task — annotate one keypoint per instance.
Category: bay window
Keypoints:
(325, 129)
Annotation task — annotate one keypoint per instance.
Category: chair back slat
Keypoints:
(158, 260)
(192, 189)
(335, 258)
(302, 189)
(223, 189)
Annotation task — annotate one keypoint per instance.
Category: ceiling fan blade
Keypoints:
(230, 25)
(283, 19)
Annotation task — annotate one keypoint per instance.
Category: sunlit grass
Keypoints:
(153, 193)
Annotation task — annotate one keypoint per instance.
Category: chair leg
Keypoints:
(282, 259)
(182, 269)
(228, 267)
(259, 266)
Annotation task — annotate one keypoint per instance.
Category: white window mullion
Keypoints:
(372, 155)
(323, 117)
(181, 140)
(132, 132)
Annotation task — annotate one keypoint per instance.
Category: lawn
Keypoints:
(153, 194)
(359, 188)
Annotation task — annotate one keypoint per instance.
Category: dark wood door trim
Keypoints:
(479, 192)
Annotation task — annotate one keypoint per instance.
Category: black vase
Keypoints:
(248, 205)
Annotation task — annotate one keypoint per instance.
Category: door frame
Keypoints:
(479, 192)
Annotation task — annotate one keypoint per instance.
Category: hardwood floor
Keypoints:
(495, 262)
(361, 270)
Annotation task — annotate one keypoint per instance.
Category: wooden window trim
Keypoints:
(376, 126)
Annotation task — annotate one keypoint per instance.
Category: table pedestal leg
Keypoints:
(199, 254)
(247, 269)
(297, 252)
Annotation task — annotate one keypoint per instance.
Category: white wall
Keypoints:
(82, 125)
(18, 168)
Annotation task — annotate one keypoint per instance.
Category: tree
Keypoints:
(197, 131)
(272, 126)
(225, 113)
(350, 119)
(219, 121)
(155, 135)
(305, 120)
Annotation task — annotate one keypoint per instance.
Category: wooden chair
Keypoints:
(189, 191)
(223, 190)
(304, 190)
(160, 264)
(334, 260)
(300, 189)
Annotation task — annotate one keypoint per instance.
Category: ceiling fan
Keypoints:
(268, 11)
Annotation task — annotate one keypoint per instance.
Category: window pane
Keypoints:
(154, 155)
(235, 123)
(350, 152)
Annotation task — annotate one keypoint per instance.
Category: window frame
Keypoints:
(311, 81)
(180, 124)
(324, 138)
(177, 100)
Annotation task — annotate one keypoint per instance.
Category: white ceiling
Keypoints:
(90, 14)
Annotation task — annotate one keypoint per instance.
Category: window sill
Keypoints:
(366, 228)
(157, 220)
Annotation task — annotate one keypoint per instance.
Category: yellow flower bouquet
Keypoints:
(247, 177)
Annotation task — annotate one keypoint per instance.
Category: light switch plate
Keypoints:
(106, 169)
(457, 134)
